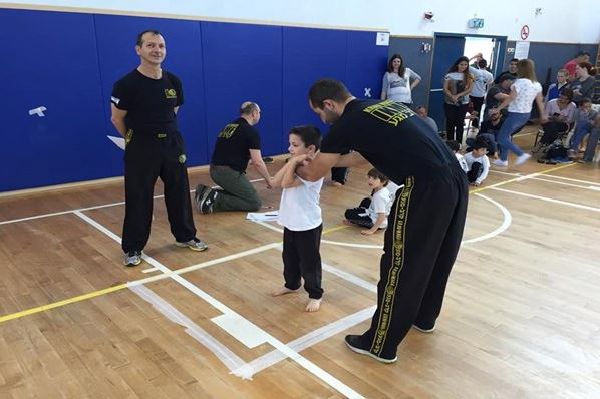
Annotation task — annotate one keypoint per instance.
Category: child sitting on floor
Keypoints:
(478, 162)
(373, 211)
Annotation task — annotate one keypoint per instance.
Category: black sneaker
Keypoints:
(132, 258)
(202, 193)
(352, 342)
(267, 160)
(205, 205)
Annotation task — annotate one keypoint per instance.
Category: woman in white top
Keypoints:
(458, 84)
(397, 83)
(523, 92)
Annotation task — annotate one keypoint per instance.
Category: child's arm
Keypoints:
(380, 219)
(286, 176)
(485, 165)
(276, 179)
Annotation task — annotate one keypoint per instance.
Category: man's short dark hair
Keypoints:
(582, 53)
(482, 63)
(139, 41)
(327, 89)
(514, 60)
(309, 134)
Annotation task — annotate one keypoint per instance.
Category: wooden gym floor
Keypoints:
(521, 318)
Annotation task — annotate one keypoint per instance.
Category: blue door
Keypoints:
(446, 49)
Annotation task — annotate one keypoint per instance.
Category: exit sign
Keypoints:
(476, 23)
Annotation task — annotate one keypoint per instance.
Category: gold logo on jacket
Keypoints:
(170, 93)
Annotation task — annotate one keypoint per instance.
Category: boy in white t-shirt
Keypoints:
(300, 215)
(478, 162)
(372, 212)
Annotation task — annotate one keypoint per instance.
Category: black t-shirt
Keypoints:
(149, 102)
(390, 136)
(234, 143)
(490, 99)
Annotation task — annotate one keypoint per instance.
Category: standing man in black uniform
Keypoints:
(427, 219)
(144, 106)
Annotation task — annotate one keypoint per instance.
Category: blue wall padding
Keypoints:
(243, 62)
(50, 60)
(221, 65)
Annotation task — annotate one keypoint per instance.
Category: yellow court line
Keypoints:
(521, 178)
(119, 287)
(104, 291)
(64, 302)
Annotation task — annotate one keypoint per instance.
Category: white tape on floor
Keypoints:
(241, 329)
(224, 354)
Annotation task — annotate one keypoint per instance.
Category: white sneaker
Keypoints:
(499, 162)
(521, 159)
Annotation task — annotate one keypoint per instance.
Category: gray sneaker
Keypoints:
(132, 258)
(194, 244)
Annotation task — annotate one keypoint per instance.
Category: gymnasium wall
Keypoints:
(559, 21)
(67, 62)
(546, 55)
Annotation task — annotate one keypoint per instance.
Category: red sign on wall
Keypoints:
(524, 32)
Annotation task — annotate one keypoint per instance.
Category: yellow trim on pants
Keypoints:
(387, 299)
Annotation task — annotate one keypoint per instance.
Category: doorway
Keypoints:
(447, 47)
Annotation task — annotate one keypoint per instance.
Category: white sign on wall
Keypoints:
(383, 39)
(522, 50)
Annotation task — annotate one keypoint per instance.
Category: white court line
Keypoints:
(571, 179)
(314, 337)
(149, 270)
(568, 184)
(592, 186)
(505, 173)
(293, 355)
(91, 208)
(548, 199)
(222, 352)
(505, 224)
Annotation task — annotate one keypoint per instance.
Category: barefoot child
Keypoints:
(372, 212)
(300, 215)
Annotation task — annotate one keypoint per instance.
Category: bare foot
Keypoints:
(283, 291)
(313, 305)
(336, 183)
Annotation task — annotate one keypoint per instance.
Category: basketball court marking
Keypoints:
(91, 208)
(503, 227)
(287, 351)
(548, 199)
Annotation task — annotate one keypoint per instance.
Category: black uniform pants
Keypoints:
(148, 157)
(301, 259)
(420, 247)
